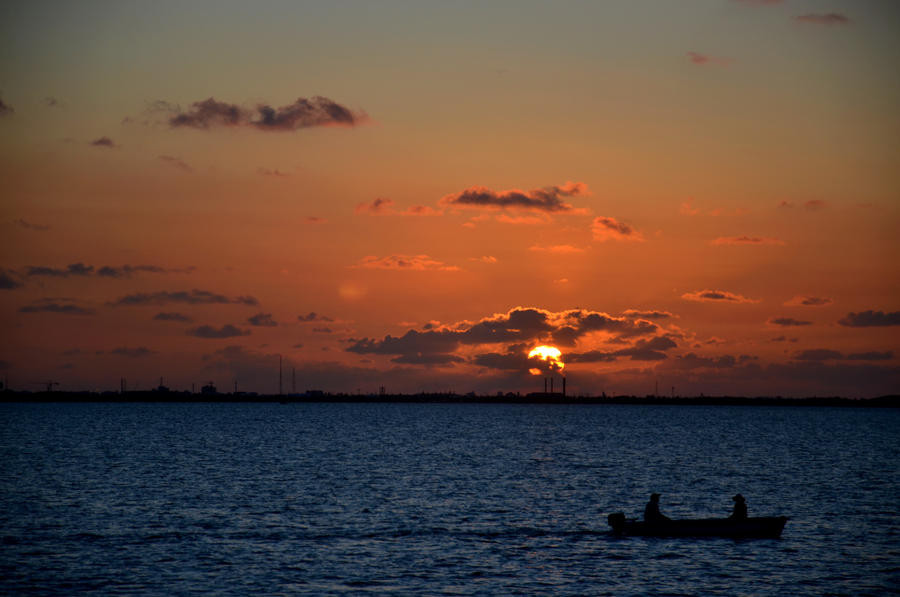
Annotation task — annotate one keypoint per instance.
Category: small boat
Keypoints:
(767, 527)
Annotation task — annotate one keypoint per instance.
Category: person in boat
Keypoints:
(651, 510)
(740, 508)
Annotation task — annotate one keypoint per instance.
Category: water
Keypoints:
(319, 499)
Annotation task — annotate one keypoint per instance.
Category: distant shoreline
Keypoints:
(889, 401)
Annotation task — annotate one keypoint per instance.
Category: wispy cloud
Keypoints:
(208, 331)
(716, 296)
(746, 240)
(313, 316)
(61, 306)
(606, 228)
(176, 163)
(708, 59)
(194, 297)
(5, 109)
(31, 226)
(274, 172)
(830, 18)
(548, 199)
(171, 316)
(808, 301)
(133, 353)
(104, 142)
(405, 262)
(9, 280)
(380, 206)
(557, 249)
(787, 322)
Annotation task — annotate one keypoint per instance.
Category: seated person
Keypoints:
(651, 511)
(740, 508)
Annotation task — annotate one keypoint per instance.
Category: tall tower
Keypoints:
(280, 392)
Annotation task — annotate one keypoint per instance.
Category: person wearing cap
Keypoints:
(740, 508)
(651, 510)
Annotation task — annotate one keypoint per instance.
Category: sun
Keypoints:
(551, 354)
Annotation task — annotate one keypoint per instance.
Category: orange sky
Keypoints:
(703, 196)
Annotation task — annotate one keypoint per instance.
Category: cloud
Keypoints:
(303, 113)
(871, 356)
(429, 360)
(380, 206)
(61, 306)
(323, 330)
(808, 301)
(557, 249)
(815, 205)
(784, 339)
(5, 109)
(652, 349)
(715, 296)
(262, 320)
(176, 163)
(52, 102)
(405, 262)
(693, 361)
(636, 314)
(702, 59)
(267, 172)
(484, 259)
(133, 353)
(73, 269)
(522, 325)
(605, 228)
(746, 240)
(315, 220)
(108, 271)
(817, 354)
(226, 331)
(760, 2)
(104, 142)
(870, 318)
(9, 280)
(194, 297)
(831, 18)
(30, 226)
(171, 316)
(547, 200)
(787, 322)
(313, 316)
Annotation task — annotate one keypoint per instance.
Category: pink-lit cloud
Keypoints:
(708, 59)
(405, 263)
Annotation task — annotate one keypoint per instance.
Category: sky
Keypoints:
(699, 197)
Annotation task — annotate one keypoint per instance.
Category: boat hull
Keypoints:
(748, 528)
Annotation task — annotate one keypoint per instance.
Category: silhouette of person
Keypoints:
(740, 508)
(651, 510)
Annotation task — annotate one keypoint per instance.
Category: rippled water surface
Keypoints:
(318, 499)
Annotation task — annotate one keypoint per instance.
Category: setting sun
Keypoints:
(551, 354)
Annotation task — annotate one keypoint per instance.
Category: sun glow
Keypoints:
(551, 354)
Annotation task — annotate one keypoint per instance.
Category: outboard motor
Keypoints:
(617, 521)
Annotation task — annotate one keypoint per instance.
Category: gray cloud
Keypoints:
(194, 297)
(548, 199)
(30, 226)
(61, 306)
(313, 316)
(176, 163)
(303, 113)
(262, 320)
(171, 316)
(133, 353)
(831, 18)
(104, 142)
(787, 322)
(871, 319)
(9, 280)
(226, 331)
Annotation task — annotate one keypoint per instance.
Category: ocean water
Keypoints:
(440, 499)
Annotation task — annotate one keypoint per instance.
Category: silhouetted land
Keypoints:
(890, 401)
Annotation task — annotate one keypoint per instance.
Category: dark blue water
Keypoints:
(318, 499)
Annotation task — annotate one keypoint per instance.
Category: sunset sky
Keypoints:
(702, 195)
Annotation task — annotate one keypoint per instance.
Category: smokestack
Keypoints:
(564, 386)
(551, 385)
(545, 385)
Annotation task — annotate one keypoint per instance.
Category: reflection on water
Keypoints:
(430, 498)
